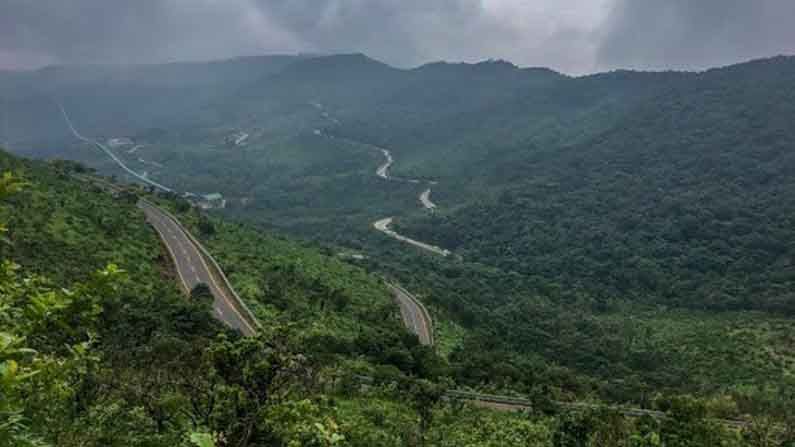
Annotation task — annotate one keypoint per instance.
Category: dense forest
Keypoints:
(618, 239)
(684, 204)
(99, 347)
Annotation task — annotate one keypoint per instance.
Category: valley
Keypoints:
(580, 244)
(350, 223)
(191, 259)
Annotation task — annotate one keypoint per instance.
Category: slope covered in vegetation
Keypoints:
(99, 348)
(686, 203)
(622, 237)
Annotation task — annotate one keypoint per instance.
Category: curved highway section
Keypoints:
(191, 260)
(383, 224)
(415, 316)
(191, 264)
(193, 269)
(425, 199)
(383, 172)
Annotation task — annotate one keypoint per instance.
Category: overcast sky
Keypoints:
(573, 36)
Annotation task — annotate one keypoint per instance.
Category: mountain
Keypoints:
(614, 237)
(536, 172)
(100, 348)
(684, 203)
(94, 326)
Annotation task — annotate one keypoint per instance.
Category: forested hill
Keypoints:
(98, 347)
(687, 201)
(623, 238)
(477, 128)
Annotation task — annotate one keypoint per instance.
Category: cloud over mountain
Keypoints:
(575, 36)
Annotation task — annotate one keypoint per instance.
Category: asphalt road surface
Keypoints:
(425, 199)
(193, 269)
(383, 170)
(414, 315)
(383, 226)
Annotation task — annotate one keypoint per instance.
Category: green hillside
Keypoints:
(685, 203)
(100, 348)
(621, 238)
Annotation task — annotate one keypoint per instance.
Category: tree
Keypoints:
(202, 439)
(206, 226)
(182, 205)
(425, 395)
(259, 372)
(201, 293)
(646, 433)
(574, 430)
(688, 425)
(48, 384)
(9, 184)
(761, 432)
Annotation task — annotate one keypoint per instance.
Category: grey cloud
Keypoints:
(123, 31)
(574, 36)
(695, 34)
(410, 32)
(405, 32)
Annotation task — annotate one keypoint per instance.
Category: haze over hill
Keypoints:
(307, 133)
(382, 238)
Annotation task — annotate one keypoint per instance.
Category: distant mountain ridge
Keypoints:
(613, 235)
(131, 98)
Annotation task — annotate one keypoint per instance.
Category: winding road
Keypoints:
(415, 317)
(382, 172)
(383, 226)
(414, 314)
(425, 199)
(110, 153)
(194, 265)
(193, 268)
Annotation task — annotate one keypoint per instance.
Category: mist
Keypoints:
(572, 36)
(685, 34)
